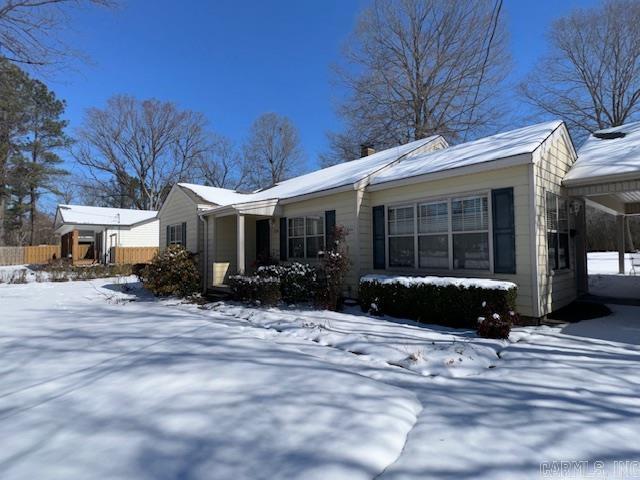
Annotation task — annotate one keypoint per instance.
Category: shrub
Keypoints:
(453, 302)
(172, 272)
(492, 324)
(256, 288)
(334, 265)
(298, 281)
(137, 269)
(19, 276)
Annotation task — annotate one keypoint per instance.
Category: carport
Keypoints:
(607, 176)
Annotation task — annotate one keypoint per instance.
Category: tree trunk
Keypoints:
(32, 216)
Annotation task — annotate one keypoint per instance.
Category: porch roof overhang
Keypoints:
(607, 172)
(69, 227)
(264, 208)
(619, 196)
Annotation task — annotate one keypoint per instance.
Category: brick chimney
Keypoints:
(366, 149)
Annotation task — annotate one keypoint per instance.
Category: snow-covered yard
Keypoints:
(102, 384)
(605, 280)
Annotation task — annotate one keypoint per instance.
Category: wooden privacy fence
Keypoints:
(132, 255)
(39, 254)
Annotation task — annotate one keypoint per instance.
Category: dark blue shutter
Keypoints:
(329, 229)
(184, 234)
(378, 237)
(283, 239)
(168, 241)
(504, 232)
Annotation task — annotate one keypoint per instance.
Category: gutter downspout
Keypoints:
(205, 264)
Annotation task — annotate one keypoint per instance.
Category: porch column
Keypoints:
(75, 246)
(620, 220)
(240, 243)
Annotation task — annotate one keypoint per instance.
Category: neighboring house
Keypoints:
(88, 234)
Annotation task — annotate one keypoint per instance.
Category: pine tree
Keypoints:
(14, 87)
(45, 138)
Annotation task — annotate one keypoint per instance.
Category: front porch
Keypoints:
(237, 244)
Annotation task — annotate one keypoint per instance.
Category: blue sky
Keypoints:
(233, 60)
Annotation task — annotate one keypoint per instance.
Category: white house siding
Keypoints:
(141, 235)
(552, 161)
(344, 203)
(365, 229)
(517, 177)
(178, 208)
(224, 245)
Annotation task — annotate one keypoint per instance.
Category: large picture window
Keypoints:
(448, 234)
(401, 236)
(305, 236)
(557, 231)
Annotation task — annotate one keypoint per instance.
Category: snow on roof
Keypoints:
(603, 157)
(215, 195)
(339, 175)
(502, 145)
(86, 215)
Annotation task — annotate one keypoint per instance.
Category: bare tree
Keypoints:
(591, 77)
(414, 68)
(222, 165)
(273, 152)
(134, 150)
(29, 29)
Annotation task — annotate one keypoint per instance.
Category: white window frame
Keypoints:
(304, 235)
(557, 232)
(450, 233)
(389, 236)
(175, 233)
(446, 233)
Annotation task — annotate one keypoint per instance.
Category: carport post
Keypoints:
(621, 234)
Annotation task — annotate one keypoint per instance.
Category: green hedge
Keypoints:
(298, 281)
(258, 289)
(442, 302)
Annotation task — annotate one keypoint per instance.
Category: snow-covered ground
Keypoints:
(97, 385)
(20, 274)
(605, 280)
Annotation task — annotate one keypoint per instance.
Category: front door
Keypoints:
(263, 242)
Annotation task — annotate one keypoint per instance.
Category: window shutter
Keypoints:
(168, 240)
(504, 233)
(378, 237)
(283, 239)
(184, 234)
(329, 229)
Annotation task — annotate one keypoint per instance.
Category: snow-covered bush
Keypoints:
(172, 272)
(455, 302)
(261, 289)
(298, 281)
(494, 324)
(334, 265)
